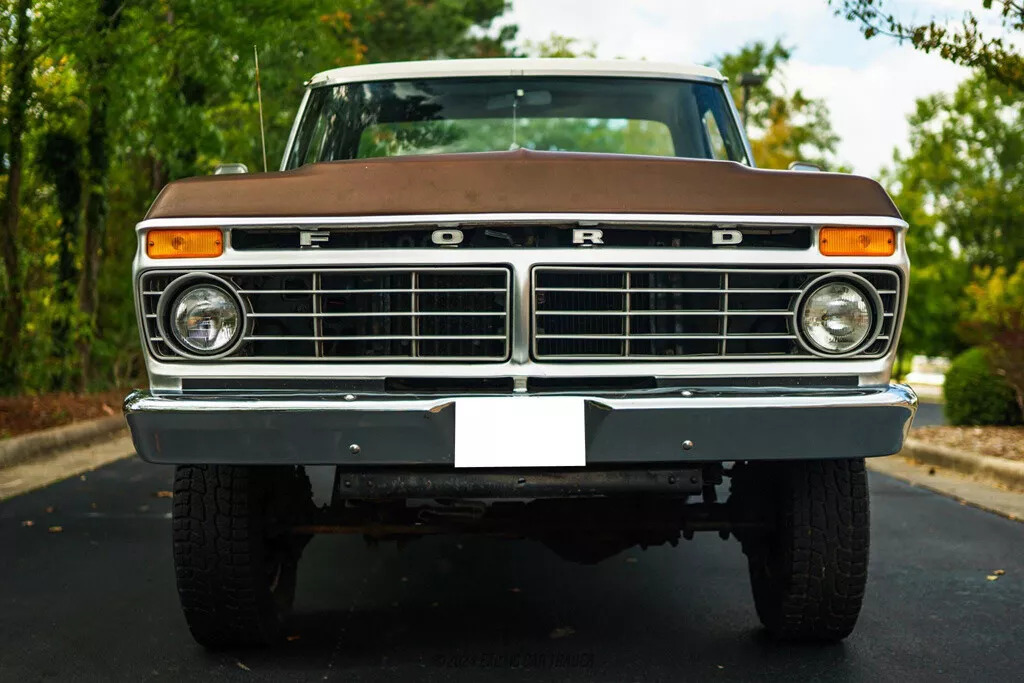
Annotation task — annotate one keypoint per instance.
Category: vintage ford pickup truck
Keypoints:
(549, 299)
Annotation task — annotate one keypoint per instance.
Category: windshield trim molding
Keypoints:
(720, 85)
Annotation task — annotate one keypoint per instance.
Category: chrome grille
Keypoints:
(357, 314)
(637, 313)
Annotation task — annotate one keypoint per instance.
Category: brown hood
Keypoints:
(522, 181)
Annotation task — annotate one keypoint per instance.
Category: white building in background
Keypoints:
(927, 375)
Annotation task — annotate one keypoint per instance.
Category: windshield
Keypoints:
(453, 115)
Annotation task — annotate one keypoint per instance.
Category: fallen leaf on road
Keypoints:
(165, 494)
(562, 632)
(49, 508)
(999, 572)
(28, 522)
(292, 639)
(243, 667)
(992, 577)
(82, 478)
(55, 529)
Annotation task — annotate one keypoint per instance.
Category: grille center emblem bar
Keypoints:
(726, 237)
(310, 239)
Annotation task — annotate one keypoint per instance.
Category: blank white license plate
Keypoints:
(519, 431)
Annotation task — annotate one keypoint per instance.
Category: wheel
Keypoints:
(808, 573)
(235, 572)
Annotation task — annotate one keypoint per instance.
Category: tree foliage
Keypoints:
(398, 30)
(964, 172)
(965, 42)
(961, 188)
(783, 127)
(560, 46)
(122, 97)
(994, 318)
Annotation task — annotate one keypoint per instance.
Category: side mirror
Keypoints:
(230, 169)
(805, 166)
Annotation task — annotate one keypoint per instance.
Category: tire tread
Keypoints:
(218, 548)
(809, 578)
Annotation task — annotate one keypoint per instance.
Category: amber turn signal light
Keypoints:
(857, 241)
(205, 243)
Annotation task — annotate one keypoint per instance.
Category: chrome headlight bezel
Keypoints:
(871, 296)
(169, 300)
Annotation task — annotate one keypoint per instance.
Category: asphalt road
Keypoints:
(929, 415)
(97, 602)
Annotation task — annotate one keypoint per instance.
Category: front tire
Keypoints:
(808, 574)
(235, 569)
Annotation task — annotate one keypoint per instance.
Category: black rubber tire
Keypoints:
(236, 578)
(808, 575)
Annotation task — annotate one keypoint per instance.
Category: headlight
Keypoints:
(205, 319)
(836, 317)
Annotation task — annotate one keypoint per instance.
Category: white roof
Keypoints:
(513, 66)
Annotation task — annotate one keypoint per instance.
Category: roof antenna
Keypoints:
(515, 119)
(259, 97)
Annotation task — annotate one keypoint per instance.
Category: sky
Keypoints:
(869, 86)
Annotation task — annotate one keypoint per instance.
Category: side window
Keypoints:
(716, 143)
(302, 150)
(331, 124)
(722, 137)
(315, 145)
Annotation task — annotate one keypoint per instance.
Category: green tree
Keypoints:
(964, 42)
(961, 188)
(398, 30)
(783, 127)
(127, 96)
(963, 176)
(16, 107)
(560, 46)
(994, 318)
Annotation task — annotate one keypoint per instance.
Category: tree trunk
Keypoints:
(96, 174)
(60, 157)
(157, 175)
(3, 150)
(96, 209)
(21, 91)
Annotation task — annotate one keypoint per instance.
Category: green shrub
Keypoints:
(977, 396)
(994, 320)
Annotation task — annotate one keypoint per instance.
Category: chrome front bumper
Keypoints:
(621, 429)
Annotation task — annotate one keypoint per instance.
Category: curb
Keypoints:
(18, 449)
(1008, 473)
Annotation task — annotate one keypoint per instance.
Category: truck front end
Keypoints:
(408, 331)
